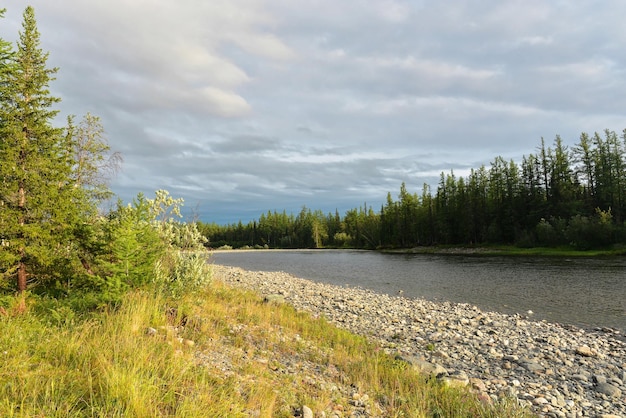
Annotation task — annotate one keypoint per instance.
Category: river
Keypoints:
(586, 292)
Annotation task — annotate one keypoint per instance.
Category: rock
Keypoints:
(532, 366)
(274, 299)
(576, 372)
(427, 368)
(306, 412)
(585, 351)
(456, 379)
(609, 390)
(598, 378)
(478, 384)
(151, 331)
(436, 337)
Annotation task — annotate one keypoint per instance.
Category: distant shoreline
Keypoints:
(463, 251)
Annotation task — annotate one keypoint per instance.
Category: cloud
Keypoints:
(241, 106)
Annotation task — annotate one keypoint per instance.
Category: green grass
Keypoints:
(512, 251)
(555, 252)
(105, 364)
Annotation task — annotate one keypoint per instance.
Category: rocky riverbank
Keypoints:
(558, 371)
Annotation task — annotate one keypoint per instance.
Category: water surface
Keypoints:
(587, 292)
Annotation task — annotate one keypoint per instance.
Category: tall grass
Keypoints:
(248, 358)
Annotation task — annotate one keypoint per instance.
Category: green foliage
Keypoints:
(93, 165)
(183, 272)
(546, 234)
(181, 265)
(149, 245)
(134, 244)
(34, 191)
(342, 239)
(51, 179)
(6, 60)
(586, 233)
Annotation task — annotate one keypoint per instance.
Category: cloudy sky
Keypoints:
(244, 106)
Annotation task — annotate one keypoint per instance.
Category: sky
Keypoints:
(245, 106)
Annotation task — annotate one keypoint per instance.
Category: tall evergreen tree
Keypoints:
(563, 184)
(6, 64)
(6, 53)
(35, 166)
(478, 201)
(427, 224)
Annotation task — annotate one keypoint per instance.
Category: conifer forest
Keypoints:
(556, 196)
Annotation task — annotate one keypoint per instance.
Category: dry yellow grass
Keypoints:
(217, 353)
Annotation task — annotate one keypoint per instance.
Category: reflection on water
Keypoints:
(589, 292)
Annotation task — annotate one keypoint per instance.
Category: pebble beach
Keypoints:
(557, 370)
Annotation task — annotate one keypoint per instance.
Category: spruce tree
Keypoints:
(35, 168)
(6, 65)
(6, 53)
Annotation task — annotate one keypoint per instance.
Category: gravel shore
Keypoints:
(559, 371)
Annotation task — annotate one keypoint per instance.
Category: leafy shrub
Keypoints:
(585, 233)
(342, 239)
(552, 233)
(185, 272)
(182, 267)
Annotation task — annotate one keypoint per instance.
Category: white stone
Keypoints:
(306, 412)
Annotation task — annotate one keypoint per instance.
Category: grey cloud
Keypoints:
(240, 106)
(246, 144)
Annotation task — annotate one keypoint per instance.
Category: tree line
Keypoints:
(557, 196)
(54, 238)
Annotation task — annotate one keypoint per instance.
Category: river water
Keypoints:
(586, 292)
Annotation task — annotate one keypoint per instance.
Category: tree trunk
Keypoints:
(21, 276)
(21, 266)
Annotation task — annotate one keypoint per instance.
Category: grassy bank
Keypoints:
(510, 251)
(220, 352)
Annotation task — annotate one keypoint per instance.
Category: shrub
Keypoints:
(585, 233)
(342, 239)
(183, 271)
(551, 234)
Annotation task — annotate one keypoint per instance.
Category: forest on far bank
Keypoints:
(558, 196)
